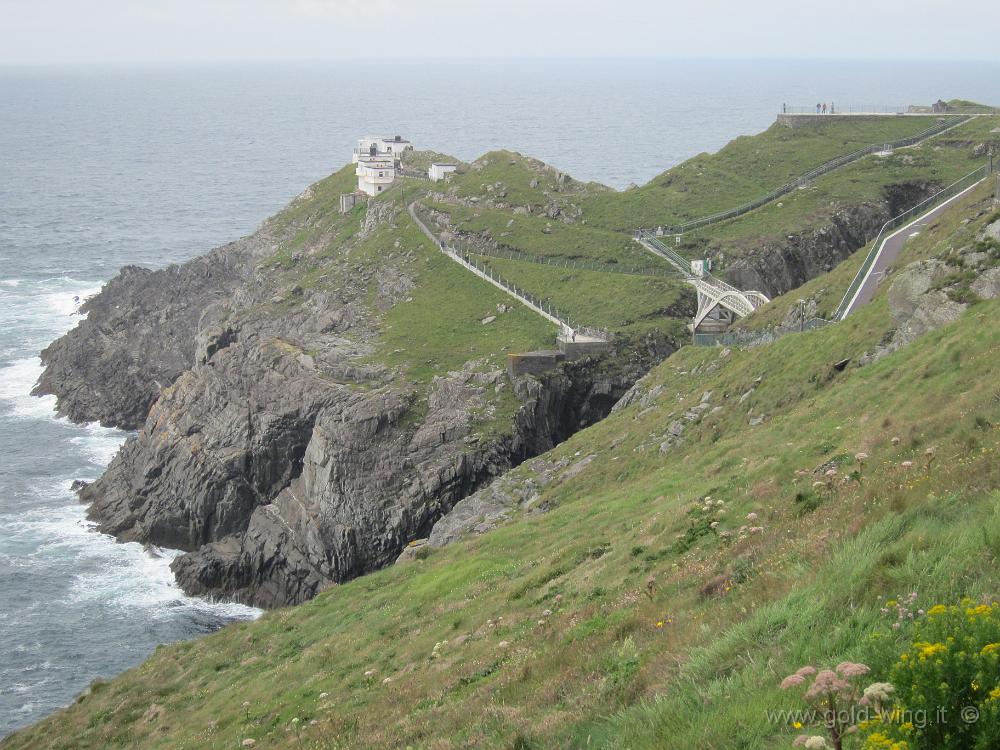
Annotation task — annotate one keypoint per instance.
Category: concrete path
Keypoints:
(890, 249)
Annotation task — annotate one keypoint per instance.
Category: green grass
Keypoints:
(631, 305)
(439, 326)
(564, 241)
(744, 169)
(598, 671)
(948, 231)
(507, 177)
(862, 181)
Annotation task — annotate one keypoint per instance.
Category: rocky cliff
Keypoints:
(779, 266)
(274, 443)
(139, 335)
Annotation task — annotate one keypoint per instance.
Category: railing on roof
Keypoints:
(848, 109)
(945, 123)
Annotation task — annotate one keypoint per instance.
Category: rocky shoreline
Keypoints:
(268, 445)
(274, 449)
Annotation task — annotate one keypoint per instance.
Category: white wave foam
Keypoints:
(132, 577)
(16, 381)
(99, 444)
(67, 296)
(122, 577)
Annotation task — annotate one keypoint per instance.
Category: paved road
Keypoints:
(892, 246)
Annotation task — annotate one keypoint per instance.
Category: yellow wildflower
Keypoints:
(797, 724)
(995, 694)
(928, 650)
(937, 609)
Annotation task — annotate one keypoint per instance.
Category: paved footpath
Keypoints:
(890, 250)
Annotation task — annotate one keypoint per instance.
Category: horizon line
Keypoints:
(484, 58)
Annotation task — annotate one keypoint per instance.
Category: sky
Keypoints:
(100, 31)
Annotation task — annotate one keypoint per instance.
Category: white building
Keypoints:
(378, 160)
(375, 173)
(439, 171)
(373, 145)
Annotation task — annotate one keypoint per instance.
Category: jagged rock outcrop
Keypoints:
(138, 336)
(778, 267)
(272, 446)
(928, 294)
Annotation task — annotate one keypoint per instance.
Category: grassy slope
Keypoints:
(571, 242)
(627, 304)
(598, 671)
(828, 290)
(440, 326)
(743, 170)
(942, 159)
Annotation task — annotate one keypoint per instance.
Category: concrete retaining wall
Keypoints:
(574, 350)
(801, 121)
(533, 363)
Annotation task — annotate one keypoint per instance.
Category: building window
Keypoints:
(380, 188)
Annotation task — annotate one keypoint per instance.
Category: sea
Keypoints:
(102, 166)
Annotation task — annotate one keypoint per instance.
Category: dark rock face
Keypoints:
(781, 266)
(369, 484)
(139, 335)
(269, 447)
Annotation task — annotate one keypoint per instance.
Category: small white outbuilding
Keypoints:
(439, 171)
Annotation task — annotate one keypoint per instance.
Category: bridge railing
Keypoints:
(832, 164)
(897, 221)
(682, 263)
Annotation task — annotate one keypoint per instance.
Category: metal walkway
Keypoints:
(713, 292)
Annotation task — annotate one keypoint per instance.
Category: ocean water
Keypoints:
(104, 166)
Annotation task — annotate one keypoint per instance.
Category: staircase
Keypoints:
(713, 292)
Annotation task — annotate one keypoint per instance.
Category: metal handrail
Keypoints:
(745, 338)
(849, 109)
(829, 166)
(749, 338)
(951, 190)
(683, 264)
(510, 287)
(558, 262)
